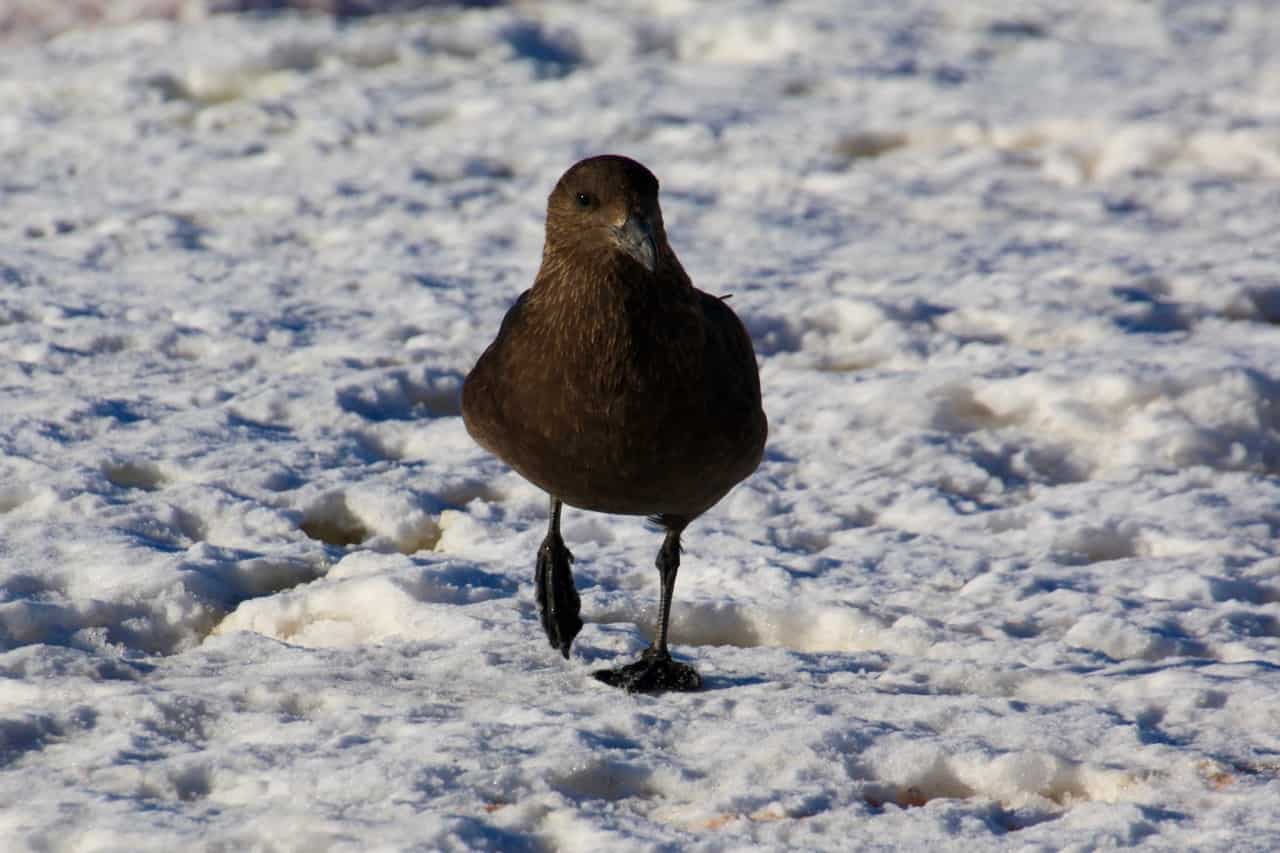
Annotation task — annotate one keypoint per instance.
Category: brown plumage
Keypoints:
(617, 386)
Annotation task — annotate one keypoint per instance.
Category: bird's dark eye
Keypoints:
(585, 200)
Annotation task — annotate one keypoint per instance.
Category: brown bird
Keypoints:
(617, 386)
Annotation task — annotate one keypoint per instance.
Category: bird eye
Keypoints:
(585, 200)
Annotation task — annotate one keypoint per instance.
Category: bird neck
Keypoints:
(570, 295)
(605, 307)
(590, 275)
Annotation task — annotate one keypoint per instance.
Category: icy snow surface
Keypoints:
(1008, 578)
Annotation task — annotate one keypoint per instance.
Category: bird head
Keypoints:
(609, 204)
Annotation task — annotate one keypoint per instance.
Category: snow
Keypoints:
(1008, 577)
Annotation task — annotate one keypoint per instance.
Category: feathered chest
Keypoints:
(614, 355)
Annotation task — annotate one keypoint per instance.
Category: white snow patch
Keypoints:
(1007, 577)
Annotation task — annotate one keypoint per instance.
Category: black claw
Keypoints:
(558, 602)
(655, 672)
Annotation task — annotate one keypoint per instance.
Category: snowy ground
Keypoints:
(1009, 577)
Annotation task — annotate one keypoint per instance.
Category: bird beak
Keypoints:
(635, 237)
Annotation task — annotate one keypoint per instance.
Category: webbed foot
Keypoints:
(655, 672)
(558, 602)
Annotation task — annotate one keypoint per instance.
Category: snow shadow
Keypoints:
(398, 395)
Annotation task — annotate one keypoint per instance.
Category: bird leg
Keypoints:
(656, 671)
(558, 603)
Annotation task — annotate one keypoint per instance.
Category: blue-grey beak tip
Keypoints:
(636, 239)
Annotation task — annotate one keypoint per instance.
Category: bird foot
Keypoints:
(655, 672)
(558, 602)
